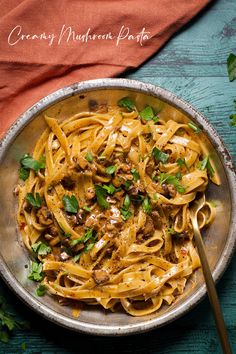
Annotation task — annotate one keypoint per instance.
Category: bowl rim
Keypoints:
(227, 253)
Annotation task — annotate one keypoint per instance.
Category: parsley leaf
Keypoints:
(36, 201)
(110, 188)
(88, 247)
(88, 235)
(89, 157)
(23, 173)
(36, 273)
(127, 202)
(159, 155)
(135, 174)
(194, 127)
(86, 208)
(110, 170)
(147, 113)
(127, 103)
(165, 178)
(8, 322)
(77, 257)
(41, 248)
(101, 194)
(231, 66)
(28, 162)
(127, 184)
(146, 205)
(206, 164)
(181, 163)
(178, 175)
(125, 212)
(71, 204)
(233, 120)
(41, 290)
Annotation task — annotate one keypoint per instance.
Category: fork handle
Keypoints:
(211, 289)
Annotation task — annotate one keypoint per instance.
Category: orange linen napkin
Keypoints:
(45, 45)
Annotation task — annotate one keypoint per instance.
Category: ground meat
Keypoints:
(44, 216)
(156, 219)
(169, 190)
(149, 226)
(100, 276)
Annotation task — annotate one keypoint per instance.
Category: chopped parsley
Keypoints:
(88, 247)
(36, 273)
(101, 194)
(28, 162)
(71, 204)
(170, 179)
(146, 205)
(181, 162)
(125, 212)
(135, 174)
(159, 155)
(86, 208)
(89, 157)
(206, 164)
(231, 66)
(147, 113)
(110, 188)
(127, 103)
(194, 127)
(178, 175)
(154, 178)
(127, 202)
(36, 201)
(8, 322)
(88, 236)
(41, 290)
(110, 170)
(24, 173)
(232, 118)
(127, 184)
(41, 248)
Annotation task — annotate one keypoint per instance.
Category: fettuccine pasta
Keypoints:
(104, 207)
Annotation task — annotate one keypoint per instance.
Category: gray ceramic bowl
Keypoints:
(14, 259)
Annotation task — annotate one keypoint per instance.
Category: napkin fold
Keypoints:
(45, 45)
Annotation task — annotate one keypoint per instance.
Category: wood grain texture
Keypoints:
(192, 65)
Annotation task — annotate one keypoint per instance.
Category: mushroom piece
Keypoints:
(44, 216)
(149, 226)
(169, 190)
(156, 218)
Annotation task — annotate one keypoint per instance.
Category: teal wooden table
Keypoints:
(192, 65)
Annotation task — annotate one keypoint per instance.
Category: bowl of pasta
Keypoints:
(97, 180)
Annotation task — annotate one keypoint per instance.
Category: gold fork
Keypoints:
(211, 289)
